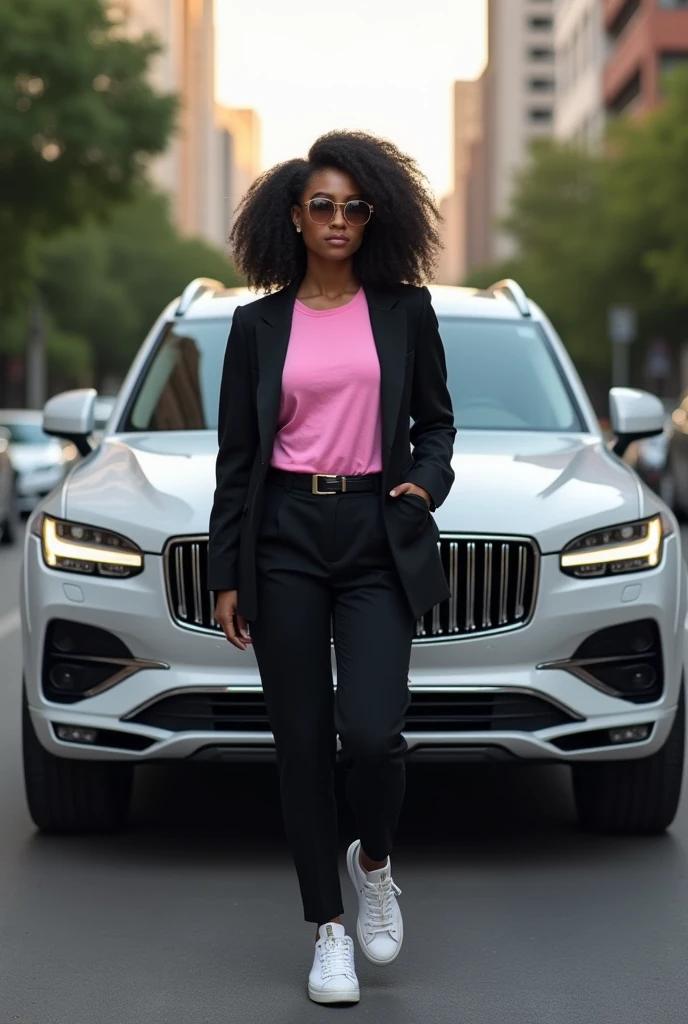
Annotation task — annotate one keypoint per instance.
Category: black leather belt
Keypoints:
(326, 483)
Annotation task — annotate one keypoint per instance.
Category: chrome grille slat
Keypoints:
(492, 582)
(436, 623)
(503, 585)
(487, 585)
(196, 578)
(453, 624)
(520, 582)
(179, 566)
(470, 585)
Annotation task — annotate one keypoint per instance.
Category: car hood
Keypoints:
(548, 486)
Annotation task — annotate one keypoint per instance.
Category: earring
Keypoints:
(298, 228)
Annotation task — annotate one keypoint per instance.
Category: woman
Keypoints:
(321, 524)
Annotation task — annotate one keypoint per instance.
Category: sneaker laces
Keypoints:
(380, 900)
(336, 958)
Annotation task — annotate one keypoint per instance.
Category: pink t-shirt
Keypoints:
(329, 417)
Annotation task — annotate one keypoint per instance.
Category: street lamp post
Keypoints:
(622, 326)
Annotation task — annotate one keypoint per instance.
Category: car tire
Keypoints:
(73, 796)
(638, 797)
(9, 529)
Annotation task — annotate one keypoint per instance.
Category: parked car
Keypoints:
(563, 640)
(40, 461)
(9, 509)
(677, 457)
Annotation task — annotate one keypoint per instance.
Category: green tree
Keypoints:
(647, 194)
(595, 231)
(107, 282)
(560, 225)
(78, 118)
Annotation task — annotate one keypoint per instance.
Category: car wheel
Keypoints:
(633, 797)
(9, 529)
(70, 795)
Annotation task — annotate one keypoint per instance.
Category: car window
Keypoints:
(502, 375)
(180, 387)
(26, 433)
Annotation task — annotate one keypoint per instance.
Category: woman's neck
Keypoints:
(327, 280)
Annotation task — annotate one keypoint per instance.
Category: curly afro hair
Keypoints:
(401, 241)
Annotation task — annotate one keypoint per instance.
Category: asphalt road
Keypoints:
(192, 917)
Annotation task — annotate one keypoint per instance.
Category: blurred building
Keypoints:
(518, 99)
(580, 50)
(189, 171)
(645, 38)
(239, 137)
(467, 120)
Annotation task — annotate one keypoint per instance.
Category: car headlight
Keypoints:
(630, 547)
(86, 549)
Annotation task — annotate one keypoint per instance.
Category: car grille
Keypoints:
(493, 583)
(429, 711)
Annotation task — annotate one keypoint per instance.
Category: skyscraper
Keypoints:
(467, 122)
(645, 38)
(580, 49)
(518, 100)
(240, 145)
(189, 171)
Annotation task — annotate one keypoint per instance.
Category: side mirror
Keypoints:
(634, 414)
(70, 415)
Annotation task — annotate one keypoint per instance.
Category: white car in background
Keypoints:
(563, 640)
(40, 462)
(9, 508)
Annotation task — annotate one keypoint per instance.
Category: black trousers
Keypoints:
(323, 564)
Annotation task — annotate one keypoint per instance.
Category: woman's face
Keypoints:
(337, 239)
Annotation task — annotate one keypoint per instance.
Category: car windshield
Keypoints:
(502, 374)
(25, 433)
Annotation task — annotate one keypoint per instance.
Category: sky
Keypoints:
(384, 66)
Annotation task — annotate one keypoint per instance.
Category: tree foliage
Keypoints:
(105, 284)
(593, 231)
(78, 118)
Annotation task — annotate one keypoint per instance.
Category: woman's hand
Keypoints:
(234, 626)
(411, 489)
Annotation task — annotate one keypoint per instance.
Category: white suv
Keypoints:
(563, 640)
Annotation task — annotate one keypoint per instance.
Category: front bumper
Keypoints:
(568, 610)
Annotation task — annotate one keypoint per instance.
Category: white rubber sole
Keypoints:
(334, 995)
(350, 854)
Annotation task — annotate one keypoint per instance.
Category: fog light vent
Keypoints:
(630, 734)
(75, 734)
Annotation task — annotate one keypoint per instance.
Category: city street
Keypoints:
(511, 914)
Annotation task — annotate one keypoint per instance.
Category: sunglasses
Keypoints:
(356, 211)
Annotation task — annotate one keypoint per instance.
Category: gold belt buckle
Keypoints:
(328, 476)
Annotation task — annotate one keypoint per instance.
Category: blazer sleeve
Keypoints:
(237, 434)
(432, 432)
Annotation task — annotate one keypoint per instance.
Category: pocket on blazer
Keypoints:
(412, 513)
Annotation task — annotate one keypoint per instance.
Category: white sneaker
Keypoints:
(380, 929)
(333, 976)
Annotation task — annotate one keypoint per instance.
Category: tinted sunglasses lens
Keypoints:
(357, 212)
(321, 210)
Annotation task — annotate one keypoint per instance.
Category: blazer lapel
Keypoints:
(388, 323)
(272, 340)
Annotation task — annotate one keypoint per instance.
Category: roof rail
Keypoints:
(509, 289)
(194, 290)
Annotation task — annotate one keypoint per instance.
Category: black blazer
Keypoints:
(413, 386)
